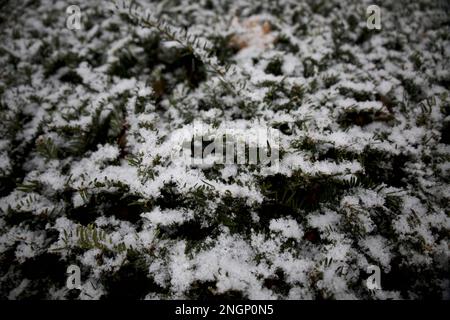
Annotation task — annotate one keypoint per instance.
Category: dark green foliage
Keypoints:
(235, 214)
(362, 118)
(192, 69)
(405, 278)
(330, 80)
(284, 127)
(223, 48)
(67, 59)
(274, 67)
(102, 129)
(284, 44)
(170, 197)
(131, 281)
(43, 53)
(309, 67)
(277, 283)
(71, 76)
(47, 149)
(123, 67)
(335, 154)
(417, 60)
(206, 291)
(312, 235)
(353, 20)
(379, 167)
(445, 133)
(292, 196)
(279, 90)
(297, 93)
(299, 191)
(44, 272)
(414, 90)
(364, 35)
(357, 95)
(359, 118)
(395, 44)
(191, 231)
(120, 206)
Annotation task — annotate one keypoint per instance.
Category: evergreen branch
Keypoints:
(200, 48)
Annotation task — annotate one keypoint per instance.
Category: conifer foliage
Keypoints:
(90, 119)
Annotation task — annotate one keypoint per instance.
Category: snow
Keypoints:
(111, 149)
(288, 228)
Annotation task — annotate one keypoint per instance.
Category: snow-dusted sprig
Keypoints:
(144, 172)
(91, 237)
(201, 48)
